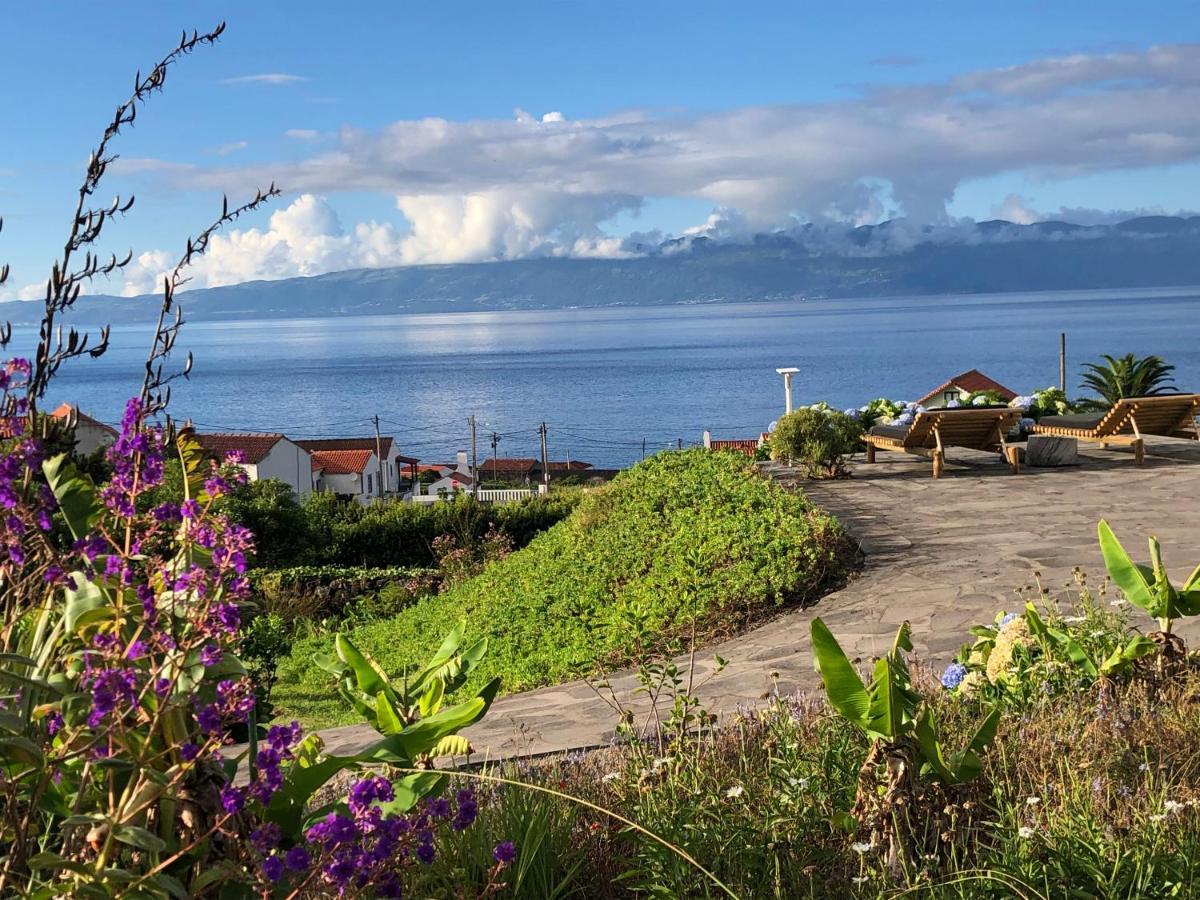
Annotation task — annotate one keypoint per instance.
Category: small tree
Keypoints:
(819, 439)
(1128, 376)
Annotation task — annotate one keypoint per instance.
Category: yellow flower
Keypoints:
(976, 658)
(1013, 635)
(971, 684)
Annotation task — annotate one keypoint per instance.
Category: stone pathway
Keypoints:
(942, 554)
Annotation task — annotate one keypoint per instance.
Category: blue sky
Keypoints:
(562, 127)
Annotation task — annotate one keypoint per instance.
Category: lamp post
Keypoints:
(787, 374)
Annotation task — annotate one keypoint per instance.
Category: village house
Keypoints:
(264, 455)
(399, 471)
(348, 473)
(969, 382)
(527, 470)
(90, 434)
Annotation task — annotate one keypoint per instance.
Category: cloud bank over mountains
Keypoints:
(547, 185)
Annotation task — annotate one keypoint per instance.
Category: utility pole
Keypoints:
(643, 449)
(379, 454)
(545, 463)
(495, 455)
(474, 459)
(1062, 362)
(678, 443)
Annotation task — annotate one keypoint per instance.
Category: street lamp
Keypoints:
(787, 374)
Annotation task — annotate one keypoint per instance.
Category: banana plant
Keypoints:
(1149, 587)
(889, 710)
(416, 727)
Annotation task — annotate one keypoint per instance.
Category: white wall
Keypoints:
(287, 462)
(89, 438)
(353, 484)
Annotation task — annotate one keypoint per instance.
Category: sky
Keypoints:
(406, 134)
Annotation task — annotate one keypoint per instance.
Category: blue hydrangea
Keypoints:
(953, 676)
(953, 404)
(979, 401)
(1027, 424)
(904, 418)
(851, 412)
(1009, 618)
(1022, 402)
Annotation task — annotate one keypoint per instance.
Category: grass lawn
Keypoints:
(684, 539)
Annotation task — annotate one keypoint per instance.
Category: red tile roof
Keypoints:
(459, 477)
(64, 412)
(971, 380)
(355, 443)
(575, 465)
(747, 447)
(510, 464)
(341, 462)
(253, 447)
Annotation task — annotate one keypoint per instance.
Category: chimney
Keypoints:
(708, 439)
(462, 460)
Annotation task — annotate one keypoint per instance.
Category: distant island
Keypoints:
(880, 260)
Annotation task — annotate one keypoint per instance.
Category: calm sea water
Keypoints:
(606, 380)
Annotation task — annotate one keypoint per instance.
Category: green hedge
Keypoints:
(320, 591)
(680, 537)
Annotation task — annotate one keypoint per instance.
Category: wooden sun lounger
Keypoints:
(932, 431)
(1129, 420)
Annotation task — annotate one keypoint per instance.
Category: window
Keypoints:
(950, 396)
(370, 484)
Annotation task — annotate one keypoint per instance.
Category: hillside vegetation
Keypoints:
(684, 540)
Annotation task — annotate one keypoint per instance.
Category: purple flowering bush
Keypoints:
(121, 687)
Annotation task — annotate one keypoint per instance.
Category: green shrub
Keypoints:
(317, 592)
(683, 538)
(818, 439)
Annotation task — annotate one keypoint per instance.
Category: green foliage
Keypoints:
(265, 639)
(1149, 587)
(270, 510)
(889, 709)
(1127, 376)
(683, 538)
(879, 410)
(819, 439)
(319, 592)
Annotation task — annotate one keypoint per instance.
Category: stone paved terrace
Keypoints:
(942, 554)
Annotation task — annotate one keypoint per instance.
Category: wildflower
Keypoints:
(1032, 801)
(609, 777)
(1073, 620)
(971, 684)
(297, 859)
(861, 847)
(272, 867)
(859, 879)
(798, 782)
(232, 800)
(1121, 601)
(1170, 807)
(953, 676)
(504, 852)
(736, 791)
(1025, 832)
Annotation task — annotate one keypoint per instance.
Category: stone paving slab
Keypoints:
(942, 554)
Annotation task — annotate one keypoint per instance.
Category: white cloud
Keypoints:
(302, 134)
(231, 147)
(265, 78)
(305, 238)
(1016, 208)
(468, 185)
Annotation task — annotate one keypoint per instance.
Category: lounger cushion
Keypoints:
(897, 432)
(1084, 422)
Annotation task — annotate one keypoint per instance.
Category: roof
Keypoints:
(355, 443)
(459, 477)
(971, 380)
(510, 464)
(748, 447)
(574, 465)
(64, 412)
(341, 462)
(253, 447)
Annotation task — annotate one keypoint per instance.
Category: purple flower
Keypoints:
(232, 800)
(953, 676)
(188, 751)
(272, 868)
(426, 853)
(504, 852)
(297, 859)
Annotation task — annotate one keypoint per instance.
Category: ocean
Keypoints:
(608, 382)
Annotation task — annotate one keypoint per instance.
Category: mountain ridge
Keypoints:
(888, 259)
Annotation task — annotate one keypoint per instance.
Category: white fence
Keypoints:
(504, 495)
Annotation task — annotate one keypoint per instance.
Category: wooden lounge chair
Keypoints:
(1129, 420)
(932, 431)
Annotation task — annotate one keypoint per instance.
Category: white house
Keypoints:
(397, 469)
(265, 455)
(958, 387)
(90, 434)
(451, 477)
(350, 473)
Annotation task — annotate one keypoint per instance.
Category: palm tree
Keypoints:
(1128, 376)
